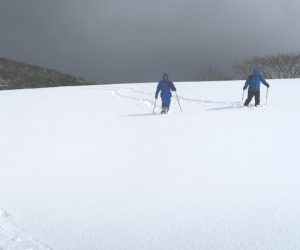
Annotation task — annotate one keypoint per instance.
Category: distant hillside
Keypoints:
(19, 75)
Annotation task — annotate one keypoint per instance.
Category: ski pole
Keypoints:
(154, 106)
(267, 96)
(243, 96)
(178, 101)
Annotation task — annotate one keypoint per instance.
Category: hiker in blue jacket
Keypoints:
(253, 85)
(165, 86)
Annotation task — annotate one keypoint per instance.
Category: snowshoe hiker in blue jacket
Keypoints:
(253, 84)
(165, 86)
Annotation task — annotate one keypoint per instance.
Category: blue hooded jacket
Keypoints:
(254, 80)
(165, 87)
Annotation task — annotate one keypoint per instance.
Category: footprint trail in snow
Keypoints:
(142, 97)
(14, 238)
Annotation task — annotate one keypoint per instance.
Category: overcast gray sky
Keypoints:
(138, 40)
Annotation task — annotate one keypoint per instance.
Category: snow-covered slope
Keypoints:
(90, 168)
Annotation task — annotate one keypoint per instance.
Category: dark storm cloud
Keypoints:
(137, 40)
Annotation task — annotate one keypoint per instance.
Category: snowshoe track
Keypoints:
(14, 238)
(133, 94)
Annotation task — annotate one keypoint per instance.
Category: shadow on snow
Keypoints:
(139, 115)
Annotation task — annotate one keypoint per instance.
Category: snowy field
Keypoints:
(90, 168)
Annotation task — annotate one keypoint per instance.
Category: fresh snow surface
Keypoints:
(90, 168)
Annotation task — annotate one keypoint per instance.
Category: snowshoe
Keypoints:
(164, 110)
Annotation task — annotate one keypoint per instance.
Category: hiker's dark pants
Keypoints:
(251, 94)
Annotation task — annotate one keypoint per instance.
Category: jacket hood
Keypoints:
(165, 76)
(256, 71)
